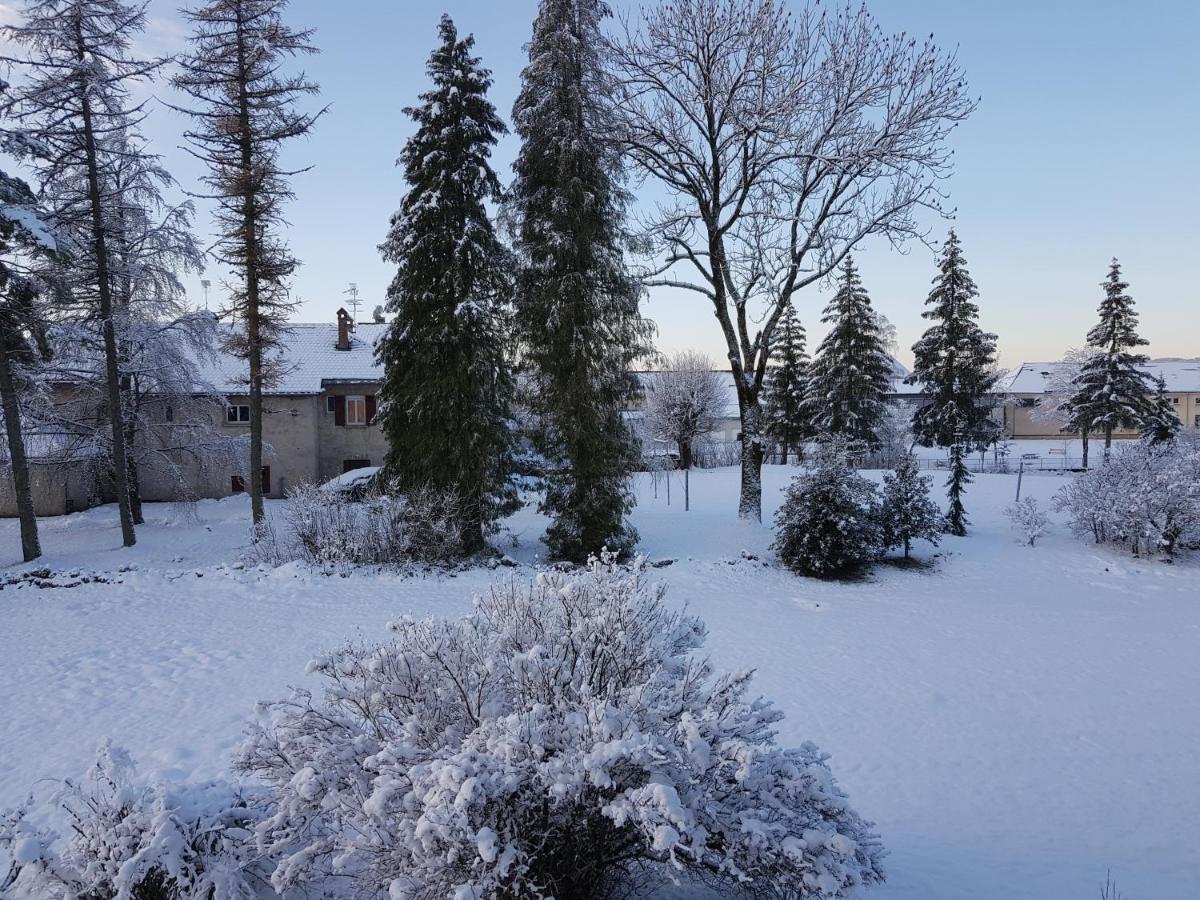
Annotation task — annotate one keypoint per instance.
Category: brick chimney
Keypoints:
(345, 326)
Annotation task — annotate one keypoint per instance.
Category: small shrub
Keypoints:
(906, 512)
(133, 840)
(829, 523)
(1028, 518)
(562, 740)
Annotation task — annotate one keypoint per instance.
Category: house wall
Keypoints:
(338, 443)
(57, 489)
(1021, 421)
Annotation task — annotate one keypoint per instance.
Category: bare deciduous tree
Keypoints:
(782, 141)
(684, 400)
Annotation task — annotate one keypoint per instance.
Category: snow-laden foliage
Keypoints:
(829, 522)
(332, 529)
(1145, 497)
(849, 378)
(1028, 518)
(563, 740)
(1161, 424)
(784, 415)
(684, 400)
(906, 512)
(131, 839)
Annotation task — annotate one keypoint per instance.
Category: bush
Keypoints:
(1145, 497)
(562, 740)
(906, 512)
(133, 840)
(829, 523)
(332, 529)
(1028, 518)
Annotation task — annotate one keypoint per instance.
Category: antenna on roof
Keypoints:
(206, 284)
(354, 301)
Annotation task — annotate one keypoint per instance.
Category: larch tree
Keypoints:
(954, 362)
(1111, 392)
(576, 317)
(782, 140)
(245, 110)
(783, 394)
(850, 374)
(75, 100)
(447, 388)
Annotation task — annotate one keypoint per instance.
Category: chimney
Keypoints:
(345, 326)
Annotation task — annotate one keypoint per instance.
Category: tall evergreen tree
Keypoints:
(1161, 425)
(850, 375)
(447, 389)
(577, 320)
(1110, 390)
(954, 362)
(246, 112)
(785, 421)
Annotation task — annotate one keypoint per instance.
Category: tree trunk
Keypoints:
(30, 546)
(1107, 441)
(104, 286)
(750, 493)
(685, 454)
(1085, 449)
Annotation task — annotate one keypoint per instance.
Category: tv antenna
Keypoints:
(206, 284)
(354, 301)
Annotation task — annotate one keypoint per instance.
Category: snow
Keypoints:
(351, 479)
(1180, 375)
(1016, 720)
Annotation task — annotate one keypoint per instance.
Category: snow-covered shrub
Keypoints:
(1028, 518)
(1145, 496)
(564, 739)
(128, 839)
(829, 522)
(332, 529)
(906, 512)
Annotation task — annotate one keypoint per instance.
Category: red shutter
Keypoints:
(339, 410)
(371, 408)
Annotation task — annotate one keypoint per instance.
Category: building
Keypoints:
(1030, 392)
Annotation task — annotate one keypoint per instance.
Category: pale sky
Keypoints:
(1084, 147)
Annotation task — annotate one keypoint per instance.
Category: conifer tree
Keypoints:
(783, 397)
(954, 362)
(906, 512)
(1110, 390)
(447, 389)
(576, 307)
(849, 377)
(1161, 425)
(246, 112)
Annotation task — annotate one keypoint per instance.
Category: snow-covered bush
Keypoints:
(906, 512)
(332, 529)
(128, 839)
(1146, 496)
(1028, 518)
(829, 522)
(564, 739)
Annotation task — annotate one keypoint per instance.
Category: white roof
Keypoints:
(310, 359)
(1181, 375)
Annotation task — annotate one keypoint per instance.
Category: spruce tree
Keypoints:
(1111, 391)
(954, 362)
(1161, 425)
(848, 379)
(906, 511)
(783, 398)
(576, 307)
(447, 389)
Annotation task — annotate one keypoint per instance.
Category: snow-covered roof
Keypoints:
(310, 359)
(1181, 375)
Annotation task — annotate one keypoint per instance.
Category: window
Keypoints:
(237, 414)
(1027, 402)
(349, 465)
(237, 484)
(331, 404)
(169, 413)
(356, 410)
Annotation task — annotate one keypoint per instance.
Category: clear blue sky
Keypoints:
(1085, 145)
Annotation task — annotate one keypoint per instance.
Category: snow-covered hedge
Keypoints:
(1146, 497)
(129, 839)
(330, 528)
(829, 522)
(564, 739)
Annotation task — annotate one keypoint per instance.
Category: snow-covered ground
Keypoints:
(1017, 721)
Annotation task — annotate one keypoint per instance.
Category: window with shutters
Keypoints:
(356, 410)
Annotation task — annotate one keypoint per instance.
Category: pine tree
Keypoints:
(576, 318)
(1161, 425)
(848, 379)
(447, 389)
(954, 362)
(907, 514)
(783, 397)
(1111, 391)
(246, 113)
